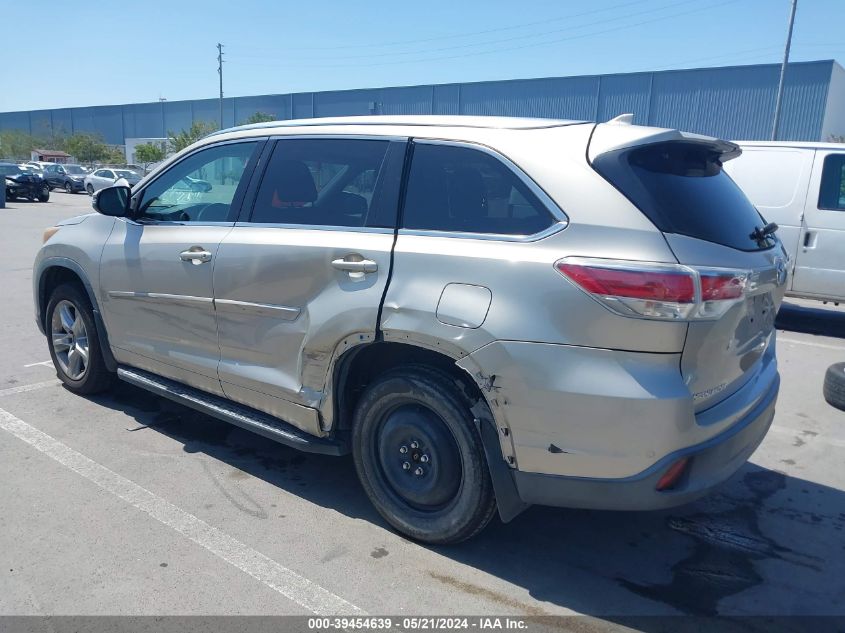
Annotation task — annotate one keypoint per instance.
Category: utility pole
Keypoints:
(220, 72)
(779, 101)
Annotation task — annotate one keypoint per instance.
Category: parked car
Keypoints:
(107, 176)
(801, 187)
(71, 178)
(20, 183)
(562, 313)
(32, 169)
(40, 164)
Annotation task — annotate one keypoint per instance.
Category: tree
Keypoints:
(199, 129)
(87, 148)
(148, 153)
(16, 144)
(259, 117)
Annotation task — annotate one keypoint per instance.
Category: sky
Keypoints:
(98, 53)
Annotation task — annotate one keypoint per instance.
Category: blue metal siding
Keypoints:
(804, 103)
(446, 99)
(413, 100)
(177, 115)
(276, 105)
(563, 97)
(735, 102)
(303, 105)
(40, 122)
(346, 102)
(621, 94)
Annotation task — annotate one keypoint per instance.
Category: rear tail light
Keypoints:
(657, 291)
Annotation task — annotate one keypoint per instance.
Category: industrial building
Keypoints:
(735, 102)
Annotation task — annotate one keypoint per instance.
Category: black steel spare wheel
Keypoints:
(418, 454)
(419, 457)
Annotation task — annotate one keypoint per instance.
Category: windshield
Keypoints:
(10, 170)
(75, 169)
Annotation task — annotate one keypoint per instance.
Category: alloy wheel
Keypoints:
(70, 340)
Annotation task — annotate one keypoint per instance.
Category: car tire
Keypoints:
(418, 454)
(90, 189)
(68, 187)
(834, 386)
(71, 330)
(44, 194)
(10, 196)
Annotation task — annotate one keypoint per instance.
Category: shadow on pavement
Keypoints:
(823, 320)
(765, 543)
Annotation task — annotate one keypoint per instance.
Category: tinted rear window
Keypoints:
(459, 189)
(682, 189)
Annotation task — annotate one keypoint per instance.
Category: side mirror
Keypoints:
(113, 201)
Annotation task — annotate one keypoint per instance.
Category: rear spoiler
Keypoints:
(620, 134)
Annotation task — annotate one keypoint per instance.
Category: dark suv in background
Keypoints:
(71, 178)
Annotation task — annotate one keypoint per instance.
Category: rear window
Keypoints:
(682, 189)
(459, 189)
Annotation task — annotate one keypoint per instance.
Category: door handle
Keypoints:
(809, 240)
(364, 266)
(196, 255)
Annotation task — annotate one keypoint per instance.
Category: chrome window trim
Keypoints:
(316, 227)
(495, 237)
(174, 223)
(545, 199)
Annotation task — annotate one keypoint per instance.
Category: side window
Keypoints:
(459, 189)
(832, 190)
(325, 182)
(199, 188)
(108, 174)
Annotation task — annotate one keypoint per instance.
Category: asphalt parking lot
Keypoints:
(127, 504)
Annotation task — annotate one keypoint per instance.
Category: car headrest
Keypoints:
(293, 184)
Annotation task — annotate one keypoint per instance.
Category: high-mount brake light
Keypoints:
(656, 290)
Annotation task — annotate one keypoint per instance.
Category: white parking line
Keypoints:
(45, 363)
(810, 343)
(300, 590)
(33, 387)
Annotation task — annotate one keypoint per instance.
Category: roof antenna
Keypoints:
(623, 119)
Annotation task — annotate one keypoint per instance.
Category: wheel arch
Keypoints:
(360, 365)
(59, 270)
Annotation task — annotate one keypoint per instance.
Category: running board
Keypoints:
(233, 413)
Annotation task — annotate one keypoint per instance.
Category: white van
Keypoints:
(801, 187)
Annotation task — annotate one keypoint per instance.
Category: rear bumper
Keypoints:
(711, 463)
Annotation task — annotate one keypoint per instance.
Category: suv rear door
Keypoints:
(306, 268)
(709, 224)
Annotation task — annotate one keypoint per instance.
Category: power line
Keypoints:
(465, 34)
(293, 56)
(498, 50)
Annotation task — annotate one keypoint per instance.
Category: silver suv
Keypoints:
(487, 313)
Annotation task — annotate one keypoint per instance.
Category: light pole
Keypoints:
(220, 72)
(779, 100)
